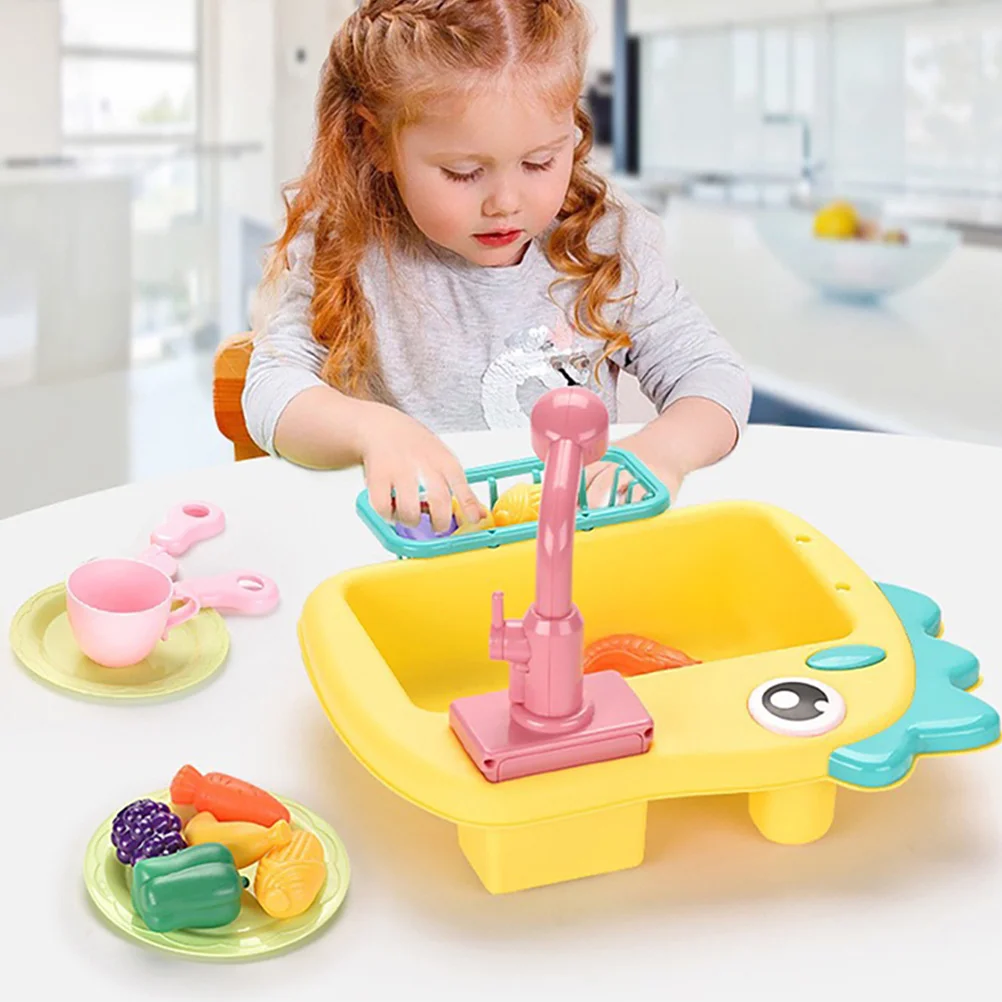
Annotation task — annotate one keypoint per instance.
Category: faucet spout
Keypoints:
(555, 538)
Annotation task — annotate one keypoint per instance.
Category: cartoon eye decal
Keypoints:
(797, 707)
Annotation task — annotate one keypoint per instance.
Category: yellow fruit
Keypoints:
(836, 221)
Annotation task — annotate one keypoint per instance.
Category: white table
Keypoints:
(903, 897)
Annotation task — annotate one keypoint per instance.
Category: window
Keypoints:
(131, 76)
(140, 25)
(105, 98)
(130, 94)
(918, 99)
(953, 99)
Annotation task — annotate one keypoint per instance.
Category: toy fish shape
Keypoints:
(289, 879)
(518, 504)
(632, 655)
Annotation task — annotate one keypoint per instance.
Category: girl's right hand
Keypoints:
(400, 456)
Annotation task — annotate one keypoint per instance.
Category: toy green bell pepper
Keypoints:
(196, 888)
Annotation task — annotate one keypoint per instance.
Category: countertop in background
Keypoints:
(926, 361)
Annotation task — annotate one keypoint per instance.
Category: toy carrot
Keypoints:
(226, 798)
(632, 655)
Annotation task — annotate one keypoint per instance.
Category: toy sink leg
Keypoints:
(750, 590)
(520, 858)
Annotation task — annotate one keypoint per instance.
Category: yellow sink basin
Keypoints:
(748, 589)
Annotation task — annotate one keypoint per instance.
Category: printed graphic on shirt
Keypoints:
(533, 362)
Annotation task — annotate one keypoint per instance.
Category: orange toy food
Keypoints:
(631, 655)
(226, 798)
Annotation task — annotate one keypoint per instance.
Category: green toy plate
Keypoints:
(42, 640)
(254, 934)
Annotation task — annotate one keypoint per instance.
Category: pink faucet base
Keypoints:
(620, 727)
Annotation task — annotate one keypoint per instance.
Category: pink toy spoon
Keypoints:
(186, 524)
(242, 592)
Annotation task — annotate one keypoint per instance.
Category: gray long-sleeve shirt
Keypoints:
(464, 347)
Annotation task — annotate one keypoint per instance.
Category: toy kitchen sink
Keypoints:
(810, 676)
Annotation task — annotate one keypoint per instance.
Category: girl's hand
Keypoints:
(599, 477)
(399, 456)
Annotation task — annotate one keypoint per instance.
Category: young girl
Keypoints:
(449, 256)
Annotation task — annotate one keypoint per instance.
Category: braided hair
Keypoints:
(389, 59)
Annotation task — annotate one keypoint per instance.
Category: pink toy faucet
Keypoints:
(551, 716)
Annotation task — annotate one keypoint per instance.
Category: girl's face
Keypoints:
(483, 179)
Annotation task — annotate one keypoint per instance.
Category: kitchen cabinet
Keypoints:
(661, 15)
(836, 6)
(667, 15)
(67, 264)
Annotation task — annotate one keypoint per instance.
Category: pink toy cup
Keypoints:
(120, 609)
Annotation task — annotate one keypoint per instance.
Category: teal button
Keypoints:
(846, 658)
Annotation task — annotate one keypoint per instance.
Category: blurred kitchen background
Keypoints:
(143, 144)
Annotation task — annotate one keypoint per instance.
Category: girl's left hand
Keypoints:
(599, 478)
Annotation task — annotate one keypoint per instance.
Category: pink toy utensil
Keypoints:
(551, 716)
(243, 591)
(185, 525)
(120, 609)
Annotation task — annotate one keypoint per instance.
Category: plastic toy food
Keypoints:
(424, 530)
(289, 879)
(518, 504)
(487, 522)
(226, 798)
(145, 829)
(632, 655)
(247, 841)
(197, 888)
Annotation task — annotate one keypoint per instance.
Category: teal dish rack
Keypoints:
(654, 501)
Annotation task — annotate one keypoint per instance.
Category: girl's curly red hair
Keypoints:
(389, 60)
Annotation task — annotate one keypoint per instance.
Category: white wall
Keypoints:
(29, 78)
(246, 104)
(603, 41)
(303, 33)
